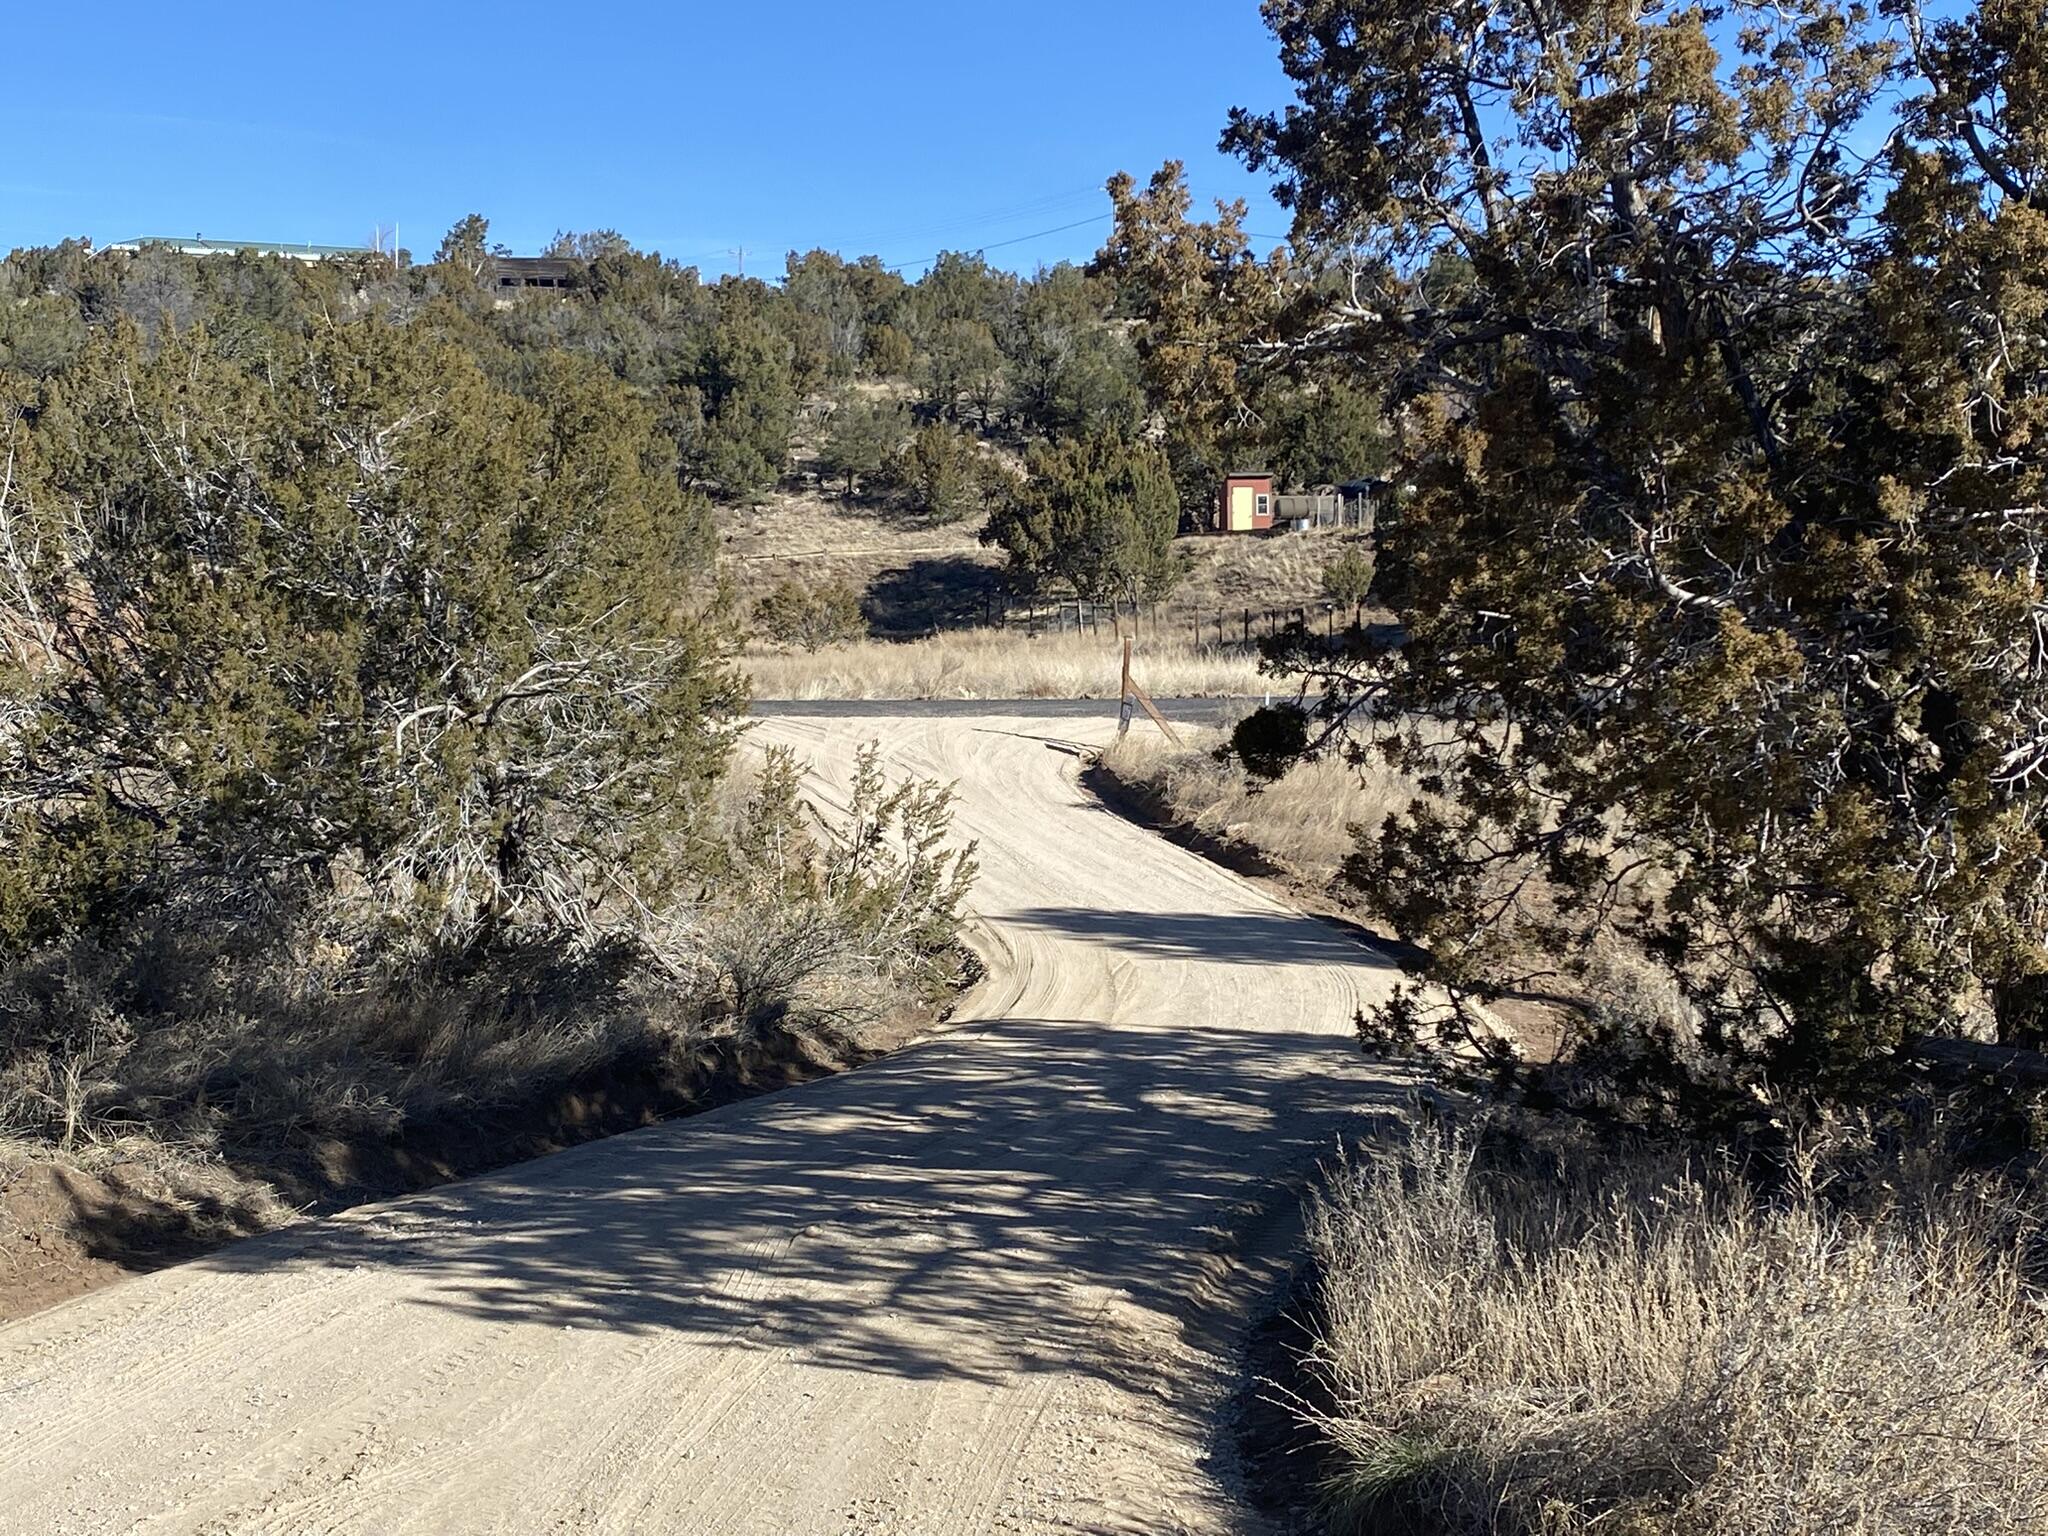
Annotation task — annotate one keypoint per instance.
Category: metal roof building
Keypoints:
(198, 245)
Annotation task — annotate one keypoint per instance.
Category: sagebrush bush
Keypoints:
(1596, 1346)
(226, 1031)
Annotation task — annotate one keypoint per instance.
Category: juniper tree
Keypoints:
(749, 397)
(360, 616)
(1097, 513)
(1069, 367)
(861, 438)
(1200, 301)
(1721, 580)
(940, 473)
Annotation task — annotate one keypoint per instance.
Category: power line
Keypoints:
(997, 245)
(1036, 207)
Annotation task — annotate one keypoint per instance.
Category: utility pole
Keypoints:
(739, 254)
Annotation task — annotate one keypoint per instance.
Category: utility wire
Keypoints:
(948, 224)
(997, 245)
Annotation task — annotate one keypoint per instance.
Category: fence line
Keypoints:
(1225, 629)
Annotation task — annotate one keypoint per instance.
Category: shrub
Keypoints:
(826, 915)
(810, 617)
(1347, 576)
(200, 1028)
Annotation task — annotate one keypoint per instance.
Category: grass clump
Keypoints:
(1303, 820)
(1572, 1344)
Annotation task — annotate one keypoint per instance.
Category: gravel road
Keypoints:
(995, 1282)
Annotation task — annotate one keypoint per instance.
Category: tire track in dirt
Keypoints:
(971, 1288)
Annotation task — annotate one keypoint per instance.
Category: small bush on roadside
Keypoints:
(824, 917)
(810, 618)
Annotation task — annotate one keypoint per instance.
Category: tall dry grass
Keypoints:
(1302, 821)
(1605, 1349)
(1002, 664)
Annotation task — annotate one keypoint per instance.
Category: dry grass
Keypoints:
(1001, 664)
(1302, 822)
(816, 537)
(257, 1054)
(1600, 1349)
(917, 575)
(1261, 571)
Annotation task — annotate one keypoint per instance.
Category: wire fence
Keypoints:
(1223, 628)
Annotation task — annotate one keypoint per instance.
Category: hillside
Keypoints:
(916, 576)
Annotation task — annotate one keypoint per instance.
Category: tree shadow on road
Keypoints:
(968, 1209)
(1237, 938)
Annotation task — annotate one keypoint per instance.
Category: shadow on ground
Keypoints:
(973, 1207)
(948, 592)
(1276, 938)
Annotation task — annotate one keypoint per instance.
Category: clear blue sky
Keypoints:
(895, 127)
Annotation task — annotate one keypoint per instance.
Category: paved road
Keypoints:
(992, 1283)
(1198, 711)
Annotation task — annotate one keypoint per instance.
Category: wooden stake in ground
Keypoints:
(1133, 694)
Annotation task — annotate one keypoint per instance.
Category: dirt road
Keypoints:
(989, 1284)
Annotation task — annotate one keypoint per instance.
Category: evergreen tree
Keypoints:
(1096, 513)
(1068, 368)
(1347, 576)
(1723, 563)
(940, 473)
(962, 359)
(749, 397)
(467, 247)
(359, 612)
(1199, 299)
(861, 438)
(1323, 431)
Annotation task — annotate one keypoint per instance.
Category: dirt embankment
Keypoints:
(70, 1224)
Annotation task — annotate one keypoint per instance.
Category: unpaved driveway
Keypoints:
(989, 1284)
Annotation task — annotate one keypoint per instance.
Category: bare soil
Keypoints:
(998, 1281)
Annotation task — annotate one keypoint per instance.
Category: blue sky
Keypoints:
(896, 127)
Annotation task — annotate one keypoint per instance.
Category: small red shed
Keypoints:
(1246, 504)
